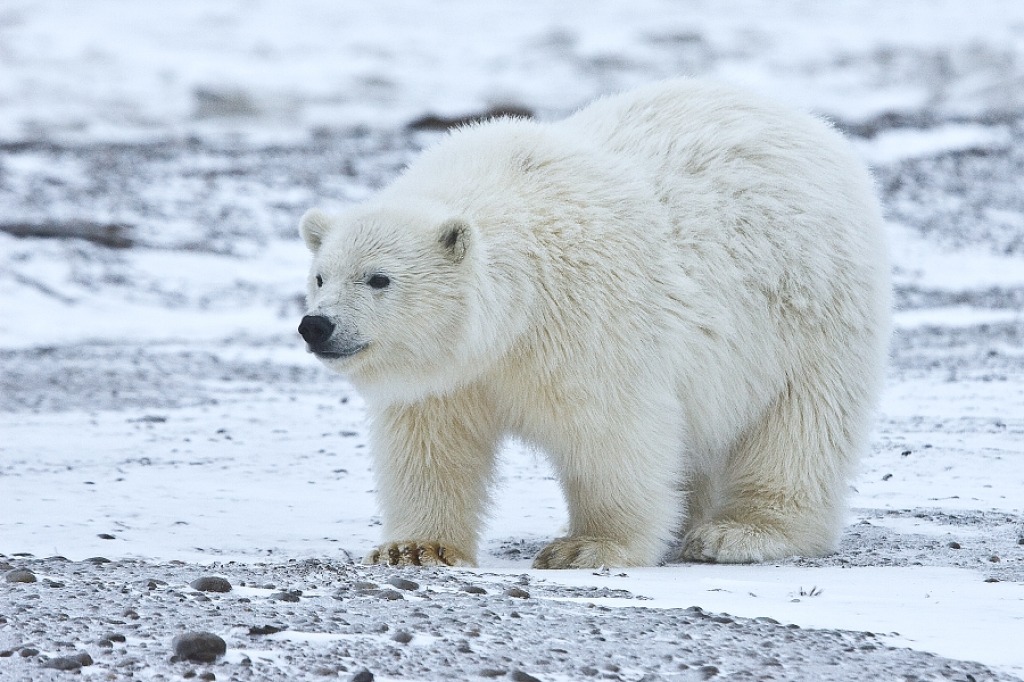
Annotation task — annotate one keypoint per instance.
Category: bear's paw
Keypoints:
(729, 541)
(584, 552)
(418, 553)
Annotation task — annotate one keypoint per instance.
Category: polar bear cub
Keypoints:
(679, 294)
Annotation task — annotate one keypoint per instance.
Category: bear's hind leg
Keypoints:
(785, 480)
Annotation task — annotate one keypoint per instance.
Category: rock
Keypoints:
(473, 589)
(520, 676)
(211, 584)
(98, 560)
(402, 637)
(106, 536)
(20, 575)
(363, 586)
(516, 592)
(255, 631)
(289, 596)
(440, 123)
(69, 662)
(363, 675)
(403, 584)
(389, 595)
(492, 672)
(954, 545)
(200, 647)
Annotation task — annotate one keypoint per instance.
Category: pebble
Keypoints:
(200, 647)
(403, 584)
(954, 545)
(211, 584)
(363, 675)
(20, 575)
(516, 592)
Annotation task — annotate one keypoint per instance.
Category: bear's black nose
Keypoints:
(316, 329)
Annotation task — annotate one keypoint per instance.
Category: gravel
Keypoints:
(443, 633)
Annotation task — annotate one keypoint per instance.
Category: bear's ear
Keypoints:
(454, 239)
(313, 225)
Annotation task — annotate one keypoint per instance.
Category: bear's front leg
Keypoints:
(623, 499)
(433, 462)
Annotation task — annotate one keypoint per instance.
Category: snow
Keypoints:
(913, 607)
(250, 469)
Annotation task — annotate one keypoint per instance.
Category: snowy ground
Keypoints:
(157, 408)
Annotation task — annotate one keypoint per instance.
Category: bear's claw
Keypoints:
(417, 553)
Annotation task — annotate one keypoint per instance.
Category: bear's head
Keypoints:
(387, 292)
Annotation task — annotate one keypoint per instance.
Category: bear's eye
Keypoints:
(319, 281)
(378, 281)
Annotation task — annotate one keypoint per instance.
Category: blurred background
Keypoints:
(155, 157)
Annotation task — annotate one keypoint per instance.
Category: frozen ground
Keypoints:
(157, 409)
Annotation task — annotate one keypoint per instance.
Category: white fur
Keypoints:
(680, 294)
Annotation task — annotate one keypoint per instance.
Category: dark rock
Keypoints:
(208, 676)
(211, 584)
(403, 584)
(111, 235)
(200, 647)
(20, 575)
(402, 637)
(441, 123)
(255, 631)
(492, 672)
(954, 545)
(98, 560)
(69, 662)
(290, 596)
(363, 675)
(106, 536)
(115, 637)
(517, 592)
(389, 595)
(520, 676)
(28, 652)
(363, 586)
(473, 589)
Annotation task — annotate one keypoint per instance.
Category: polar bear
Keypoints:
(680, 294)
